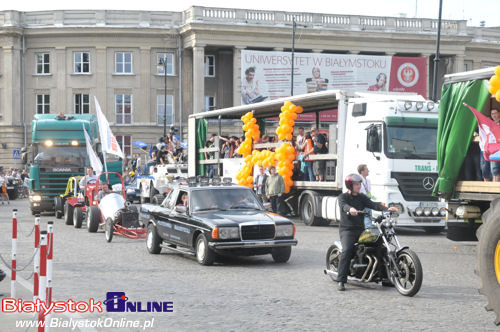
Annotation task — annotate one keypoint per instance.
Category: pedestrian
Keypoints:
(210, 155)
(319, 166)
(259, 184)
(495, 165)
(3, 186)
(275, 187)
(300, 140)
(366, 188)
(351, 222)
(89, 178)
(161, 157)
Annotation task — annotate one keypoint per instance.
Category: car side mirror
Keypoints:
(372, 139)
(180, 209)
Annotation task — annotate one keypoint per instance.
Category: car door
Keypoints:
(180, 219)
(163, 223)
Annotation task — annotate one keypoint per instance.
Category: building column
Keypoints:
(198, 78)
(62, 98)
(429, 74)
(142, 113)
(458, 63)
(237, 75)
(476, 64)
(101, 91)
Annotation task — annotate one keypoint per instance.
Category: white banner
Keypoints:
(94, 160)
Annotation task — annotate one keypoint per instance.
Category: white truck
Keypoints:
(393, 133)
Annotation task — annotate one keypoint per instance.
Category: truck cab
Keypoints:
(395, 136)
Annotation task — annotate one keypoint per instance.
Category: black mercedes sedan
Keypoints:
(206, 220)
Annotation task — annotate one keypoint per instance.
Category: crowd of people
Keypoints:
(15, 177)
(306, 144)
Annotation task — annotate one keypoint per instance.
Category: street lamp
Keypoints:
(163, 62)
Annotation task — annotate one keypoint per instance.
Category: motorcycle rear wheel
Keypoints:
(410, 281)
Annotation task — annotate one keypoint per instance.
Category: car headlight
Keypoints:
(229, 233)
(419, 211)
(427, 211)
(398, 206)
(435, 211)
(284, 230)
(442, 212)
(36, 198)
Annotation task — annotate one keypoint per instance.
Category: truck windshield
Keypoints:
(60, 156)
(410, 138)
(224, 199)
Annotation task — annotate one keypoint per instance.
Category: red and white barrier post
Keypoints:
(36, 261)
(43, 276)
(14, 254)
(50, 251)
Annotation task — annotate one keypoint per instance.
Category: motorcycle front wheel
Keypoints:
(409, 281)
(333, 259)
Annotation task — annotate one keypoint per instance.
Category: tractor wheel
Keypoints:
(77, 217)
(58, 207)
(488, 258)
(94, 218)
(68, 214)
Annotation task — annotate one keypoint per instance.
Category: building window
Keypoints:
(82, 62)
(209, 103)
(159, 63)
(82, 105)
(209, 65)
(123, 109)
(123, 63)
(124, 142)
(160, 102)
(42, 63)
(42, 104)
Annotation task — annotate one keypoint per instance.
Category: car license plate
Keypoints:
(10, 187)
(429, 204)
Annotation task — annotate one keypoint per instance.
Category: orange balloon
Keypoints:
(285, 128)
(497, 96)
(492, 90)
(289, 137)
(287, 104)
(495, 82)
(497, 71)
(299, 109)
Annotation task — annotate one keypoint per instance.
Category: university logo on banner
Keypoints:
(408, 74)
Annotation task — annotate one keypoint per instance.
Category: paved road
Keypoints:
(255, 293)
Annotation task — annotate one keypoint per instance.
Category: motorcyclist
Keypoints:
(351, 222)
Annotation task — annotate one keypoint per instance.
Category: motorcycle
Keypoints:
(379, 257)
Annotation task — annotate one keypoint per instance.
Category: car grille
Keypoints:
(412, 187)
(257, 232)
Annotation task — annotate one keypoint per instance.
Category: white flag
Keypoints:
(94, 160)
(108, 140)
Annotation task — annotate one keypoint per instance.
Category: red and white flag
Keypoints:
(489, 134)
(108, 140)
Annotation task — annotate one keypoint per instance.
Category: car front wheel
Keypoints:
(204, 255)
(153, 241)
(281, 254)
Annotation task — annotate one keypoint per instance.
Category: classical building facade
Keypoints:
(57, 61)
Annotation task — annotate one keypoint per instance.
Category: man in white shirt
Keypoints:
(366, 189)
(89, 178)
(260, 184)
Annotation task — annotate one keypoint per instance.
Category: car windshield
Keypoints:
(224, 199)
(60, 156)
(411, 138)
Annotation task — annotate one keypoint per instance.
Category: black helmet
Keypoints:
(351, 178)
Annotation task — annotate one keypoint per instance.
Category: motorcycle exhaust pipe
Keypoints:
(330, 273)
(373, 270)
(370, 262)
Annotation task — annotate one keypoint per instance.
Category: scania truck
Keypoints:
(393, 133)
(57, 152)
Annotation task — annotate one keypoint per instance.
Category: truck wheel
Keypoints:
(68, 214)
(204, 255)
(157, 199)
(77, 217)
(153, 240)
(461, 231)
(307, 212)
(488, 258)
(281, 254)
(433, 230)
(58, 207)
(94, 218)
(108, 229)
